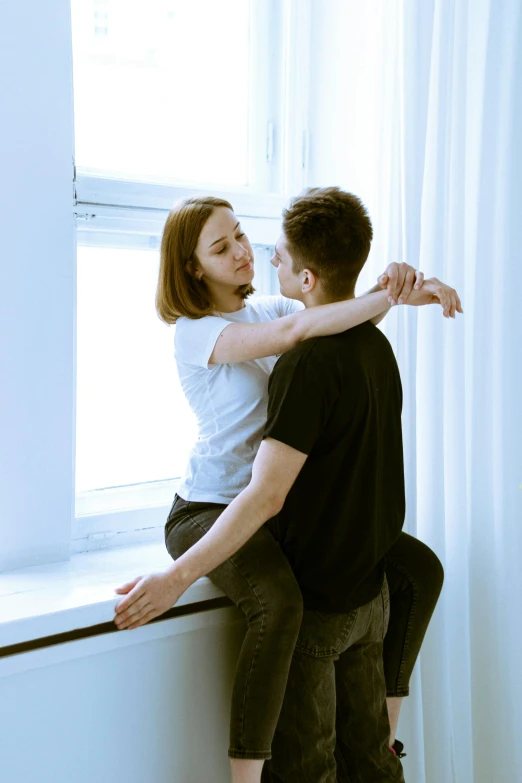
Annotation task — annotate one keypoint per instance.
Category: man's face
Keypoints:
(290, 284)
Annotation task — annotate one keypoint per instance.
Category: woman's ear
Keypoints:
(192, 269)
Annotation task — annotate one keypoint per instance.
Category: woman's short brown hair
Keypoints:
(328, 231)
(179, 292)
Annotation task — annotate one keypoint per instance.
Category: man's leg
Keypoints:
(303, 748)
(337, 664)
(363, 728)
(304, 742)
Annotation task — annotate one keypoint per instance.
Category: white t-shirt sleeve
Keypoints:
(291, 305)
(195, 339)
(284, 306)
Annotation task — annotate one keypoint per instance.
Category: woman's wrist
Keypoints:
(374, 290)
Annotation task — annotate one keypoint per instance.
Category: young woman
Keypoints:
(226, 346)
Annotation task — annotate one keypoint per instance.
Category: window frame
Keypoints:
(265, 113)
(117, 212)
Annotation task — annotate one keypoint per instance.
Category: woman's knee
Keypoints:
(437, 572)
(410, 560)
(429, 575)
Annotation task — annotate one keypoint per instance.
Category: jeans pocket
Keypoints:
(324, 634)
(177, 512)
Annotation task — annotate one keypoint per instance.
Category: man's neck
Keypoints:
(320, 298)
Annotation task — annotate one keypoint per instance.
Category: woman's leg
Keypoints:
(415, 576)
(259, 580)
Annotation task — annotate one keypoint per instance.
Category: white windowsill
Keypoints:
(59, 597)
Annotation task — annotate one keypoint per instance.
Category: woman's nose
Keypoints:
(241, 251)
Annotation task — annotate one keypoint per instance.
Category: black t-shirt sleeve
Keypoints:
(302, 393)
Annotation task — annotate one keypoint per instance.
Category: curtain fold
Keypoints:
(423, 104)
(459, 76)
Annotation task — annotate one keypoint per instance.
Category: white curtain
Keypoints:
(431, 112)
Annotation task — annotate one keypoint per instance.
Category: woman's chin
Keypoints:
(247, 274)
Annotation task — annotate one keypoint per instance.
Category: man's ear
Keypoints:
(309, 281)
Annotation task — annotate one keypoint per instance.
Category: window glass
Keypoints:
(133, 424)
(162, 89)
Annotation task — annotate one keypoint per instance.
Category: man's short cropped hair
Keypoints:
(328, 231)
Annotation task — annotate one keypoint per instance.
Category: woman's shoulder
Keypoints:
(275, 306)
(198, 326)
(194, 338)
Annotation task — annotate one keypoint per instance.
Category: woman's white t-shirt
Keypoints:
(229, 401)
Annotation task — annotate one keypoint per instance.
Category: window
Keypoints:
(171, 99)
(134, 428)
(177, 91)
(133, 422)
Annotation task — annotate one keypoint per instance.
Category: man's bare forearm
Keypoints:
(234, 527)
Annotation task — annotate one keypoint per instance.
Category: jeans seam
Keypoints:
(263, 622)
(370, 618)
(385, 591)
(354, 614)
(400, 689)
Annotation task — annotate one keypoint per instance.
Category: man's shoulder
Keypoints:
(312, 362)
(336, 351)
(330, 345)
(299, 354)
(363, 335)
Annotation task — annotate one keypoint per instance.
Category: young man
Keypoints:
(329, 476)
(338, 400)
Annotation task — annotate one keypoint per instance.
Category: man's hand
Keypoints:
(435, 292)
(400, 280)
(275, 469)
(147, 597)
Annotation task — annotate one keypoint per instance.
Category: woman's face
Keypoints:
(224, 254)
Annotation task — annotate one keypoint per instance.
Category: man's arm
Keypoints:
(399, 280)
(275, 469)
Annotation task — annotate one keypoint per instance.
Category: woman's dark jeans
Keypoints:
(259, 580)
(415, 576)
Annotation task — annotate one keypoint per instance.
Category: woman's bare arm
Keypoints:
(243, 342)
(386, 309)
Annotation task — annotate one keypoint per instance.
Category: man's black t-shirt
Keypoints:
(339, 400)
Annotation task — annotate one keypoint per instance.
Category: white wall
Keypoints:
(147, 706)
(38, 284)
